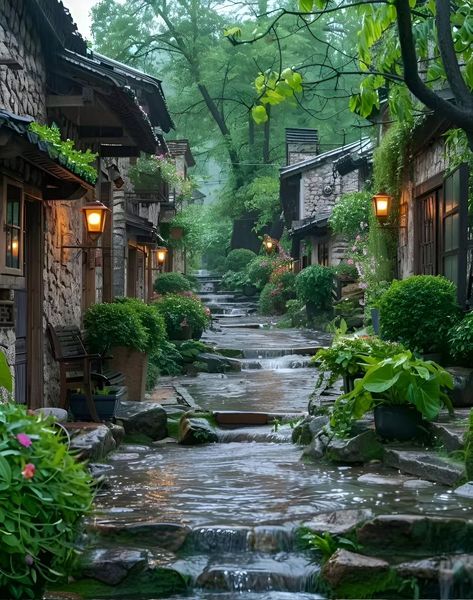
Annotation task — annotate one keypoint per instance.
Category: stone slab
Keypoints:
(344, 567)
(339, 522)
(426, 465)
(112, 566)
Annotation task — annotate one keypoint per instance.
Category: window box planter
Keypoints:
(105, 404)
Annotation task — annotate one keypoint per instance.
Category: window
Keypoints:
(323, 254)
(12, 238)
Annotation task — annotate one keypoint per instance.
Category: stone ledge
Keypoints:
(425, 465)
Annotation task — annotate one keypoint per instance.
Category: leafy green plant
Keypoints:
(190, 350)
(314, 286)
(75, 160)
(399, 380)
(171, 283)
(180, 311)
(460, 339)
(350, 212)
(419, 312)
(163, 360)
(469, 449)
(346, 355)
(237, 260)
(326, 544)
(150, 318)
(44, 493)
(346, 271)
(114, 324)
(260, 269)
(272, 300)
(235, 281)
(150, 170)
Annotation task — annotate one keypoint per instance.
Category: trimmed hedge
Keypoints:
(171, 283)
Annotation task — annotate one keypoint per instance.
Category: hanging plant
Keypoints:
(151, 170)
(65, 152)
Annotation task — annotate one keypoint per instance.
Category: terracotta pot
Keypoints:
(134, 366)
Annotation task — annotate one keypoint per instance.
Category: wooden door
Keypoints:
(21, 353)
(427, 234)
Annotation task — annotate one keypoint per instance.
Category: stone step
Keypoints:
(250, 419)
(425, 465)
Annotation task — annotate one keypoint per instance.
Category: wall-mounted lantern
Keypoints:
(95, 216)
(161, 254)
(269, 244)
(382, 206)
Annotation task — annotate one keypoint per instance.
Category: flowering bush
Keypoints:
(181, 311)
(44, 492)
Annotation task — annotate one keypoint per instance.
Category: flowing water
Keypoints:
(241, 500)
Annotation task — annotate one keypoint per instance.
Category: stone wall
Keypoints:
(23, 91)
(62, 276)
(317, 198)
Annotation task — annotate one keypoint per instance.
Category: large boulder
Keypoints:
(91, 440)
(304, 433)
(339, 522)
(144, 418)
(197, 428)
(359, 449)
(168, 536)
(112, 565)
(216, 363)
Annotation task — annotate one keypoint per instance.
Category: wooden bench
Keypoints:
(78, 367)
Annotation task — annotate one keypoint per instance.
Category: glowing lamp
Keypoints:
(95, 216)
(161, 253)
(382, 206)
(14, 248)
(269, 244)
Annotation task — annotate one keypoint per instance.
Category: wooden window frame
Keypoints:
(4, 270)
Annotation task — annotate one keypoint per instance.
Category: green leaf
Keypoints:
(6, 380)
(259, 114)
(306, 5)
(5, 470)
(378, 380)
(232, 32)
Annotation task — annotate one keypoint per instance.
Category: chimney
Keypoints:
(301, 144)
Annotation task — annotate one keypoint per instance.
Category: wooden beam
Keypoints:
(92, 131)
(59, 101)
(64, 190)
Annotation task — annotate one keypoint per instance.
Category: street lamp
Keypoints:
(269, 244)
(95, 217)
(382, 206)
(161, 254)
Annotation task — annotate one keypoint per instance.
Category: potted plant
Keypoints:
(185, 316)
(345, 357)
(44, 493)
(403, 391)
(105, 400)
(128, 329)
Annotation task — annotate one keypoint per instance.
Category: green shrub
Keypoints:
(114, 324)
(419, 312)
(163, 360)
(151, 319)
(461, 341)
(272, 300)
(44, 492)
(350, 212)
(237, 260)
(171, 283)
(314, 286)
(235, 281)
(180, 311)
(345, 271)
(260, 268)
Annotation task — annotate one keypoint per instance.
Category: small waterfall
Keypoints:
(266, 352)
(220, 539)
(281, 435)
(286, 361)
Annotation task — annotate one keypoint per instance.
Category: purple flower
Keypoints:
(29, 560)
(350, 261)
(24, 440)
(363, 286)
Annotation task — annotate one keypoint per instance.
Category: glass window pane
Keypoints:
(450, 268)
(448, 194)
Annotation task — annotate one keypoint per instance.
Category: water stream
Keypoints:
(243, 498)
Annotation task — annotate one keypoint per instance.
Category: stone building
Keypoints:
(436, 221)
(49, 270)
(310, 188)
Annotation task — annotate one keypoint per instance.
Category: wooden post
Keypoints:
(106, 196)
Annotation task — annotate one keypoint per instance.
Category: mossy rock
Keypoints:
(153, 583)
(231, 352)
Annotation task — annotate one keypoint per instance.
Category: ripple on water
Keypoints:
(251, 484)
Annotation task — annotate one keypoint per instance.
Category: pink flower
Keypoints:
(28, 471)
(350, 261)
(353, 248)
(24, 440)
(358, 238)
(363, 286)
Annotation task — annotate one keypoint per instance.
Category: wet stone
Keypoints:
(273, 539)
(220, 539)
(310, 427)
(195, 430)
(146, 418)
(124, 456)
(348, 567)
(169, 536)
(429, 466)
(359, 449)
(339, 522)
(112, 566)
(465, 490)
(417, 484)
(98, 470)
(375, 479)
(94, 443)
(133, 448)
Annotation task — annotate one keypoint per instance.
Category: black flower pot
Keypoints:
(398, 422)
